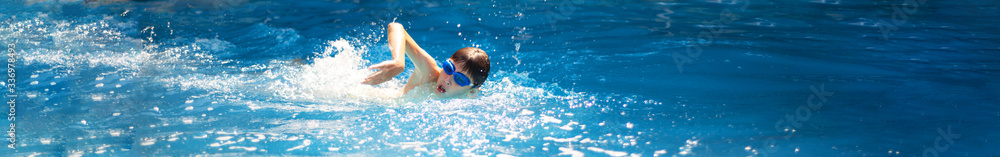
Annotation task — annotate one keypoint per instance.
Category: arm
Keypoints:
(400, 40)
(402, 45)
(388, 69)
(427, 68)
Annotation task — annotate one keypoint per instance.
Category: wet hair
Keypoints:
(475, 62)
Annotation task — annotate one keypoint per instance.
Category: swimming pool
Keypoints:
(576, 78)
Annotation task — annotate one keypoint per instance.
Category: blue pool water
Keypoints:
(569, 78)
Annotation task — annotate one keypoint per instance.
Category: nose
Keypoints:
(448, 79)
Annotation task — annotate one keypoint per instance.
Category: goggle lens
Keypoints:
(460, 79)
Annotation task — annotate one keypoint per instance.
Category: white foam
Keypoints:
(222, 143)
(547, 119)
(659, 152)
(75, 153)
(201, 136)
(561, 140)
(329, 79)
(568, 126)
(609, 152)
(689, 144)
(115, 133)
(416, 146)
(570, 151)
(97, 97)
(526, 112)
(148, 141)
(304, 144)
(244, 148)
(336, 78)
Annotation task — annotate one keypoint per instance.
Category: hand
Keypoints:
(386, 70)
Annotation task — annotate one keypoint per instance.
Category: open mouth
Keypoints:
(441, 88)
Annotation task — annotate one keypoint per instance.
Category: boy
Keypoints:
(461, 74)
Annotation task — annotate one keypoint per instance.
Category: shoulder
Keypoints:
(432, 75)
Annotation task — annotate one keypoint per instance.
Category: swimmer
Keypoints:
(460, 75)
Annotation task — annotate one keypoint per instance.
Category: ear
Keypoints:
(473, 93)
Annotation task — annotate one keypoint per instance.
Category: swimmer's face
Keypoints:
(446, 86)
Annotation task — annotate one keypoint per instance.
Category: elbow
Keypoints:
(395, 26)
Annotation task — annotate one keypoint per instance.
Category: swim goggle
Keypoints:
(460, 79)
